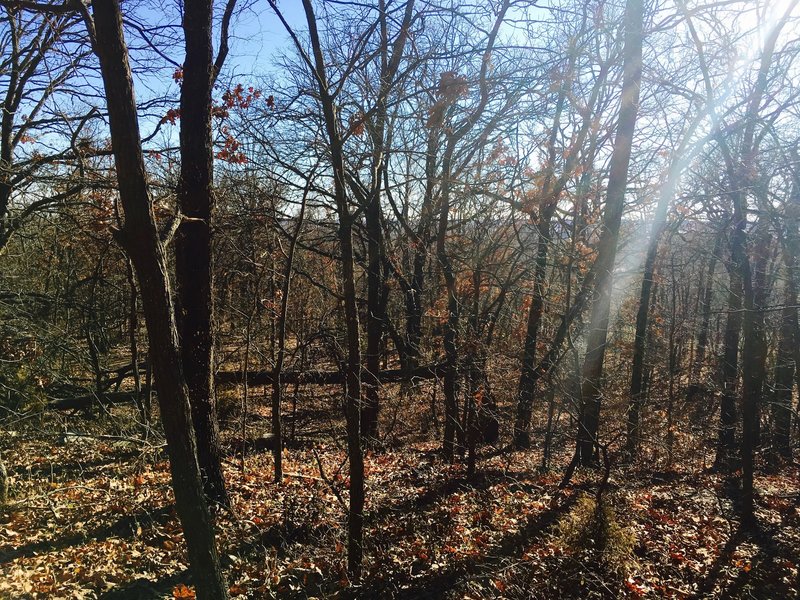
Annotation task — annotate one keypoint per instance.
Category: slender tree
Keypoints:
(140, 239)
(589, 421)
(546, 201)
(41, 53)
(194, 268)
(333, 132)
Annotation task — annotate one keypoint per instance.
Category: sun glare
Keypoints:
(761, 17)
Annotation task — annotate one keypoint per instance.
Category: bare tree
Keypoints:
(588, 425)
(140, 239)
(40, 55)
(194, 268)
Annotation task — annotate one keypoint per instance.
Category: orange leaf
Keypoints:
(183, 591)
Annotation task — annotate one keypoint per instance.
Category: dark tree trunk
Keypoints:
(788, 360)
(708, 296)
(4, 487)
(548, 434)
(642, 316)
(355, 517)
(413, 299)
(741, 180)
(280, 333)
(193, 243)
(140, 238)
(673, 349)
(416, 288)
(754, 351)
(762, 253)
(355, 523)
(552, 189)
(133, 344)
(726, 443)
(785, 364)
(452, 425)
(591, 392)
(754, 354)
(376, 286)
(376, 315)
(475, 395)
(528, 376)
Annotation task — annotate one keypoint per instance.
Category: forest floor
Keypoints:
(93, 518)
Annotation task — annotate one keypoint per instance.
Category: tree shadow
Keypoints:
(71, 470)
(714, 575)
(437, 584)
(761, 578)
(482, 481)
(126, 526)
(144, 589)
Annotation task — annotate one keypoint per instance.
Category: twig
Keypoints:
(328, 481)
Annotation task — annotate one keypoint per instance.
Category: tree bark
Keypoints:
(591, 391)
(453, 431)
(636, 395)
(726, 443)
(376, 315)
(3, 483)
(528, 377)
(140, 238)
(551, 191)
(376, 286)
(762, 254)
(754, 347)
(193, 243)
(708, 296)
(355, 518)
(785, 364)
(280, 333)
(416, 288)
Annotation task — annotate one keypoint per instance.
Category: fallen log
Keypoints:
(258, 444)
(326, 377)
(256, 378)
(83, 402)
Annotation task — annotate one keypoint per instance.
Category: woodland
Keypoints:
(399, 299)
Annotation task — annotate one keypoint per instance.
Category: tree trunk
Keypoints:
(753, 360)
(133, 327)
(673, 349)
(375, 316)
(528, 377)
(140, 238)
(355, 518)
(193, 243)
(355, 524)
(377, 295)
(708, 296)
(3, 483)
(453, 431)
(551, 191)
(636, 395)
(591, 392)
(762, 252)
(416, 288)
(277, 383)
(785, 365)
(726, 443)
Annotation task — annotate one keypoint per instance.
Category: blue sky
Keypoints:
(257, 35)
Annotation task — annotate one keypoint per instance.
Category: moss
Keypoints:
(595, 532)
